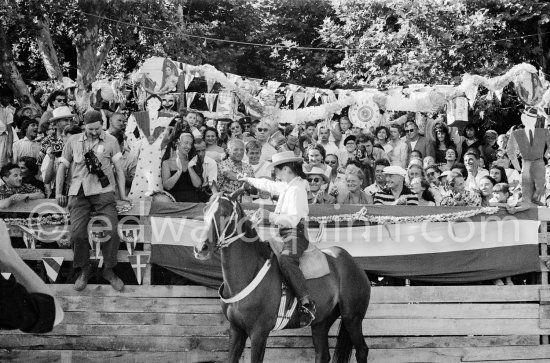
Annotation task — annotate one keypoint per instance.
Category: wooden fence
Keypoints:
(184, 323)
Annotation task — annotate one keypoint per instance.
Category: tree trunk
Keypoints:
(11, 74)
(47, 51)
(544, 43)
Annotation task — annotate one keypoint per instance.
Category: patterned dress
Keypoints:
(227, 185)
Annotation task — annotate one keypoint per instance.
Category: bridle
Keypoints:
(224, 238)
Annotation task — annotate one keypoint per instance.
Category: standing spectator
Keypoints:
(14, 190)
(468, 141)
(399, 154)
(395, 192)
(421, 188)
(62, 117)
(451, 157)
(457, 194)
(474, 173)
(27, 146)
(233, 166)
(354, 180)
(262, 169)
(489, 147)
(30, 172)
(308, 136)
(180, 178)
(26, 302)
(382, 134)
(292, 135)
(222, 125)
(417, 142)
(263, 133)
(56, 99)
(90, 157)
(379, 180)
(337, 180)
(349, 152)
(211, 138)
(117, 123)
(246, 123)
(442, 142)
(329, 146)
(6, 127)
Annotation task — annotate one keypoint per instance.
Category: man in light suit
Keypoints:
(531, 143)
(417, 142)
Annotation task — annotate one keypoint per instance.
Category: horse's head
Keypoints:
(223, 220)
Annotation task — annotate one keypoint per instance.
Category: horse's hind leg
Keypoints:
(354, 326)
(237, 340)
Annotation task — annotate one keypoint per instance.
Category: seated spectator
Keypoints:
(457, 194)
(471, 160)
(14, 190)
(502, 197)
(379, 180)
(213, 151)
(443, 179)
(451, 156)
(262, 169)
(382, 134)
(460, 168)
(205, 167)
(497, 172)
(421, 188)
(27, 146)
(263, 134)
(246, 123)
(179, 177)
(316, 157)
(329, 146)
(469, 140)
(232, 166)
(395, 192)
(512, 175)
(349, 152)
(308, 136)
(354, 181)
(415, 154)
(235, 130)
(486, 185)
(292, 136)
(337, 184)
(428, 161)
(317, 195)
(399, 154)
(30, 172)
(432, 175)
(26, 302)
(414, 171)
(489, 147)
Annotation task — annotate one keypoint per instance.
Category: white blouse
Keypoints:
(292, 205)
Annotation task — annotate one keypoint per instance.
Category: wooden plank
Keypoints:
(67, 254)
(543, 236)
(507, 353)
(543, 214)
(379, 294)
(114, 304)
(220, 343)
(544, 295)
(195, 320)
(544, 254)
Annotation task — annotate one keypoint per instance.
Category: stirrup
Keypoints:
(307, 314)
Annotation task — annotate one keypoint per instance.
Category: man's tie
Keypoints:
(531, 137)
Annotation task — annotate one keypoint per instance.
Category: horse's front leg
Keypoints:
(237, 340)
(258, 341)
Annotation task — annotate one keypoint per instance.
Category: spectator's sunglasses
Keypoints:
(410, 130)
(314, 179)
(61, 99)
(263, 130)
(330, 162)
(431, 173)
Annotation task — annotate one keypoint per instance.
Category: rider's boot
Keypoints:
(307, 313)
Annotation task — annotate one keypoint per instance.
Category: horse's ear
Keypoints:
(237, 193)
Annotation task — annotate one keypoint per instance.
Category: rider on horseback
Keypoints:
(290, 212)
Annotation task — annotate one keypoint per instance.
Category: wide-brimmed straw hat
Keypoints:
(317, 171)
(285, 157)
(62, 112)
(395, 170)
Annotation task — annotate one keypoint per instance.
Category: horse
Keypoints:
(344, 292)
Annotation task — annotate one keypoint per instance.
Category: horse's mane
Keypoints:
(251, 234)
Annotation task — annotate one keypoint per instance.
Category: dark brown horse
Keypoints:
(344, 292)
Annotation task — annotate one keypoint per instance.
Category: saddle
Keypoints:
(313, 262)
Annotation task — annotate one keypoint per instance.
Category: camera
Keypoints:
(94, 167)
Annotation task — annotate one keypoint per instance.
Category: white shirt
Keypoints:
(292, 204)
(262, 169)
(209, 170)
(473, 183)
(330, 148)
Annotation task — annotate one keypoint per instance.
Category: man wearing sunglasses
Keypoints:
(56, 99)
(417, 142)
(262, 135)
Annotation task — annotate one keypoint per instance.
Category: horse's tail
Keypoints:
(342, 351)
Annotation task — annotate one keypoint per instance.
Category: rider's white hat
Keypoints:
(285, 157)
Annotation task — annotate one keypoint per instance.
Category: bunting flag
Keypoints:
(288, 95)
(131, 236)
(189, 98)
(293, 87)
(210, 84)
(331, 96)
(139, 263)
(490, 95)
(273, 85)
(498, 93)
(310, 92)
(29, 240)
(298, 99)
(188, 79)
(210, 100)
(317, 95)
(324, 99)
(6, 275)
(53, 266)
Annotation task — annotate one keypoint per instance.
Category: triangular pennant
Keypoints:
(210, 84)
(29, 240)
(310, 92)
(273, 85)
(498, 93)
(6, 275)
(53, 266)
(298, 99)
(293, 87)
(189, 98)
(317, 95)
(490, 95)
(331, 96)
(324, 99)
(139, 263)
(131, 237)
(188, 79)
(210, 100)
(288, 95)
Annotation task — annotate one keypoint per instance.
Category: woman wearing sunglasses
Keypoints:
(317, 194)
